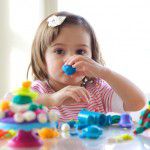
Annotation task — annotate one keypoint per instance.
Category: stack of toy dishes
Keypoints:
(144, 122)
(23, 114)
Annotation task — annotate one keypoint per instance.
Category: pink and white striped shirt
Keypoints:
(102, 99)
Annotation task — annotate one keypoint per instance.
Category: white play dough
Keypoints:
(54, 115)
(29, 116)
(18, 117)
(42, 118)
(65, 127)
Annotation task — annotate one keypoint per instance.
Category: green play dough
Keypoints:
(147, 125)
(33, 107)
(115, 119)
(40, 106)
(139, 130)
(21, 99)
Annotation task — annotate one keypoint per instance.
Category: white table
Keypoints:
(75, 143)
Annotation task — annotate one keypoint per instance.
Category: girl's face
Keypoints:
(72, 40)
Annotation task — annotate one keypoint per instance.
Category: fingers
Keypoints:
(42, 99)
(84, 96)
(69, 60)
(80, 66)
(80, 94)
(72, 60)
(87, 94)
(84, 68)
(74, 95)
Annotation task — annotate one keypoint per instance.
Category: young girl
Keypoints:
(65, 38)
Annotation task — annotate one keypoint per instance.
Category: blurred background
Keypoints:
(122, 28)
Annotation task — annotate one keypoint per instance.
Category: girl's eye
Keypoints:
(80, 52)
(59, 51)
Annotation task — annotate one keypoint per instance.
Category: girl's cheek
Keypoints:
(55, 67)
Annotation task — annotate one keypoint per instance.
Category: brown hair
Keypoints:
(45, 35)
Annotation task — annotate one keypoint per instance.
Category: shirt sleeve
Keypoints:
(111, 101)
(117, 104)
(39, 87)
(105, 94)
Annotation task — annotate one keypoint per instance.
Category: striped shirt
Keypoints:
(102, 99)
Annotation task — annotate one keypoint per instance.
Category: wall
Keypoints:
(19, 20)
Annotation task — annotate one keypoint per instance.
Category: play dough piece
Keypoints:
(68, 70)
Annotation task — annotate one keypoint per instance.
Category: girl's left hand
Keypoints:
(86, 66)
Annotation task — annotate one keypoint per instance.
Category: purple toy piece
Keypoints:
(25, 139)
(125, 121)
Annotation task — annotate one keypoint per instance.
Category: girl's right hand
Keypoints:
(77, 93)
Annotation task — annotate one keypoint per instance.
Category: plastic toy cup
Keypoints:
(85, 119)
(89, 118)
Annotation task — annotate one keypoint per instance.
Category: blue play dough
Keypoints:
(8, 123)
(91, 132)
(68, 70)
(24, 126)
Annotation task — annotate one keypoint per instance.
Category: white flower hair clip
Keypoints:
(54, 21)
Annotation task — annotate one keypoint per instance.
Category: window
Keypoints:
(24, 17)
(19, 21)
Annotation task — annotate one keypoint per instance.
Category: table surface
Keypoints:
(67, 142)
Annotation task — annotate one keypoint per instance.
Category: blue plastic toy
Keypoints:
(91, 132)
(108, 121)
(71, 123)
(74, 133)
(80, 126)
(87, 118)
(68, 70)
